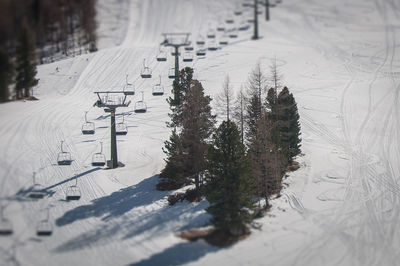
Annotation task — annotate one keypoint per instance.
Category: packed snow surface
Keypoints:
(341, 60)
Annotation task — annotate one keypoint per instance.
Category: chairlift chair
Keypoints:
(129, 87)
(73, 192)
(238, 12)
(64, 158)
(44, 227)
(212, 46)
(200, 41)
(162, 56)
(243, 27)
(171, 73)
(145, 73)
(201, 52)
(140, 106)
(99, 159)
(187, 57)
(6, 228)
(233, 34)
(251, 20)
(36, 192)
(229, 20)
(223, 41)
(211, 34)
(220, 28)
(88, 128)
(189, 48)
(158, 89)
(121, 128)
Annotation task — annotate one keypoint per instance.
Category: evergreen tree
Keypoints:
(6, 71)
(228, 187)
(174, 169)
(25, 65)
(197, 126)
(179, 89)
(253, 113)
(288, 125)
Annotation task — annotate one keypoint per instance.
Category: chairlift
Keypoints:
(212, 46)
(162, 56)
(229, 20)
(251, 20)
(121, 128)
(233, 34)
(200, 40)
(220, 28)
(243, 27)
(99, 159)
(238, 12)
(129, 87)
(187, 57)
(36, 191)
(73, 192)
(145, 73)
(6, 227)
(223, 41)
(64, 158)
(88, 128)
(44, 227)
(201, 52)
(171, 73)
(140, 106)
(189, 48)
(158, 89)
(211, 34)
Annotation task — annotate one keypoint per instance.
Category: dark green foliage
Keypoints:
(253, 113)
(288, 125)
(179, 88)
(197, 126)
(174, 169)
(25, 65)
(6, 73)
(228, 187)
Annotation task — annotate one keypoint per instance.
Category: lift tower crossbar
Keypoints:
(111, 100)
(176, 40)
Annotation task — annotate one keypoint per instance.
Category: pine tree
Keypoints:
(6, 71)
(288, 125)
(228, 187)
(253, 113)
(197, 126)
(25, 65)
(174, 169)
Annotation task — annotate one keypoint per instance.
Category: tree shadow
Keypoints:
(130, 212)
(179, 254)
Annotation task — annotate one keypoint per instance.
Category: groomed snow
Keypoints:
(341, 60)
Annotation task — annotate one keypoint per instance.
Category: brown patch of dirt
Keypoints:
(293, 167)
(215, 237)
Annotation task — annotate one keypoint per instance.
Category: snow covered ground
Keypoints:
(341, 60)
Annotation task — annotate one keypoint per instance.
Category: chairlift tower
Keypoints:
(111, 100)
(255, 36)
(176, 40)
(266, 10)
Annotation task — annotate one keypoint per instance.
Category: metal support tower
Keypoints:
(176, 40)
(267, 10)
(255, 36)
(111, 100)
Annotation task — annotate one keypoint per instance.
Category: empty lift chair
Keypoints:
(161, 56)
(6, 227)
(187, 57)
(171, 73)
(200, 40)
(121, 128)
(88, 128)
(140, 106)
(158, 89)
(129, 87)
(73, 192)
(44, 227)
(145, 73)
(64, 158)
(98, 158)
(37, 190)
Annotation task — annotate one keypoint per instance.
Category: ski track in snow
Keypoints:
(340, 58)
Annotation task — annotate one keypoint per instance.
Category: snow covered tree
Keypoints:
(288, 125)
(6, 72)
(197, 127)
(228, 187)
(25, 65)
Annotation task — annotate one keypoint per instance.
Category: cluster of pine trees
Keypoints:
(33, 30)
(241, 161)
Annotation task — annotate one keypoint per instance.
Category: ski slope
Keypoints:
(341, 60)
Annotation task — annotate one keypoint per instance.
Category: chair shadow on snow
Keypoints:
(129, 212)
